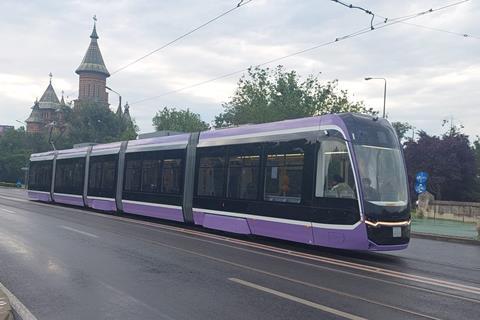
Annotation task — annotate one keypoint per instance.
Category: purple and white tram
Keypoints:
(334, 181)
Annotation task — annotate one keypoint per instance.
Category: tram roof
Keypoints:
(181, 140)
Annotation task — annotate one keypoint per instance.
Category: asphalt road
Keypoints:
(68, 263)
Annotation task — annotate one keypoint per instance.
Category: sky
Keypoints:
(431, 76)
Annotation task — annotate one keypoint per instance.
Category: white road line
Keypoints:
(6, 210)
(79, 231)
(19, 307)
(287, 296)
(332, 261)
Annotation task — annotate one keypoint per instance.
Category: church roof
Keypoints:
(93, 60)
(49, 99)
(35, 115)
(126, 114)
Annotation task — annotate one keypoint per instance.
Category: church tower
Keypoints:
(93, 74)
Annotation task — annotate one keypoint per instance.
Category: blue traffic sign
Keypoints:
(421, 177)
(420, 188)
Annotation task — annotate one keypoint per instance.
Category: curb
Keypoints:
(431, 236)
(6, 311)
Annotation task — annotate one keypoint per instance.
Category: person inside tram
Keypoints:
(342, 189)
(370, 192)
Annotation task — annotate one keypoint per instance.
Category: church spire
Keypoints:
(93, 60)
(94, 31)
(62, 101)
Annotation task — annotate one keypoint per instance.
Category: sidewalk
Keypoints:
(5, 308)
(444, 228)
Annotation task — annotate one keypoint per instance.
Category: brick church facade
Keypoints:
(93, 75)
(48, 111)
(92, 89)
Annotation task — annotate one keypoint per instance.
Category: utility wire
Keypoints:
(464, 35)
(240, 4)
(351, 6)
(376, 26)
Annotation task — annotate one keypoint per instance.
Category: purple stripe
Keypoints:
(153, 211)
(101, 204)
(355, 239)
(32, 195)
(229, 224)
(198, 217)
(279, 230)
(75, 201)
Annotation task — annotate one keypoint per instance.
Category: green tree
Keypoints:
(93, 123)
(476, 149)
(476, 145)
(16, 147)
(401, 128)
(178, 120)
(265, 95)
(88, 123)
(450, 162)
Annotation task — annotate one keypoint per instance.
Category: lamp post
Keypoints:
(384, 91)
(118, 94)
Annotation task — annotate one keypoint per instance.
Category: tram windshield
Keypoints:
(382, 174)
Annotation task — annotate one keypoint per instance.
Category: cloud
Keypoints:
(431, 75)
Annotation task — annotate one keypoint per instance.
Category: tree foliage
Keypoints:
(88, 123)
(16, 147)
(93, 123)
(401, 128)
(265, 95)
(178, 120)
(450, 162)
(476, 145)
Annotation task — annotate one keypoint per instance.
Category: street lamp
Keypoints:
(384, 91)
(118, 94)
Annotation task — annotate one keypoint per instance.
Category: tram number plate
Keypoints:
(397, 232)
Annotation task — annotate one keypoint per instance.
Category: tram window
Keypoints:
(69, 176)
(171, 176)
(79, 175)
(133, 175)
(108, 175)
(283, 177)
(102, 176)
(211, 174)
(95, 176)
(150, 175)
(243, 176)
(334, 171)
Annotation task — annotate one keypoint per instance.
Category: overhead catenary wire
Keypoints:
(351, 6)
(376, 26)
(464, 35)
(460, 34)
(240, 4)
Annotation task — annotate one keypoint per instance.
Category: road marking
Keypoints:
(124, 298)
(332, 261)
(6, 210)
(308, 284)
(308, 303)
(171, 229)
(18, 306)
(79, 231)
